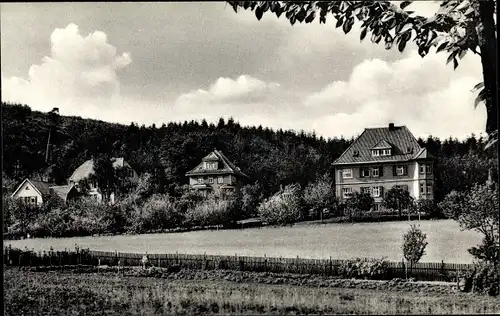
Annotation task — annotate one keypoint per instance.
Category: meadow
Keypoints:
(339, 241)
(43, 293)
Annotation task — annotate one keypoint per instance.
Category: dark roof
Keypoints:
(62, 190)
(404, 146)
(43, 187)
(227, 167)
(40, 186)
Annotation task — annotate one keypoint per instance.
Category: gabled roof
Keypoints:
(43, 188)
(225, 167)
(383, 144)
(87, 168)
(404, 146)
(423, 154)
(62, 190)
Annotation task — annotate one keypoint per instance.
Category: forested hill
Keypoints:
(272, 157)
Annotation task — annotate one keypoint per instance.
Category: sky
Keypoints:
(160, 62)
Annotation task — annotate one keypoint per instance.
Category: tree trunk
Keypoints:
(487, 46)
(48, 148)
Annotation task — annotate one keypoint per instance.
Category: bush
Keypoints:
(213, 211)
(283, 207)
(158, 212)
(429, 207)
(320, 195)
(483, 278)
(366, 268)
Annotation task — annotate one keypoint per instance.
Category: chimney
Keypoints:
(391, 126)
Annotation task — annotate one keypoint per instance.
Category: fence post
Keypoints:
(265, 263)
(159, 265)
(331, 266)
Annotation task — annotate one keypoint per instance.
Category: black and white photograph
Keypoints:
(250, 158)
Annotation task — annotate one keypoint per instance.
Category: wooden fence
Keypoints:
(428, 271)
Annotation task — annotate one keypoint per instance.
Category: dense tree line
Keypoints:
(274, 158)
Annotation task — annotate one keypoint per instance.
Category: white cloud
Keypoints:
(79, 77)
(423, 93)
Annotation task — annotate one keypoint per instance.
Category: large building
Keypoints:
(216, 173)
(382, 158)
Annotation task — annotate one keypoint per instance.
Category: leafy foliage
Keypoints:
(477, 210)
(459, 26)
(282, 208)
(364, 268)
(359, 203)
(414, 243)
(398, 199)
(320, 194)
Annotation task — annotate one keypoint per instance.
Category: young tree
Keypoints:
(477, 210)
(414, 243)
(320, 195)
(105, 175)
(398, 199)
(458, 26)
(359, 203)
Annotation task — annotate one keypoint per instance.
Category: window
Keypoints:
(386, 152)
(347, 173)
(422, 169)
(200, 180)
(376, 207)
(365, 173)
(429, 169)
(375, 153)
(347, 192)
(422, 188)
(233, 179)
(27, 188)
(210, 180)
(375, 172)
(130, 173)
(364, 190)
(220, 180)
(33, 200)
(429, 188)
(376, 191)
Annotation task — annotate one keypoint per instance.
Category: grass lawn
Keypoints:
(339, 241)
(52, 293)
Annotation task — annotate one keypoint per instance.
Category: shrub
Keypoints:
(319, 195)
(214, 210)
(366, 268)
(483, 278)
(429, 207)
(283, 207)
(251, 196)
(359, 203)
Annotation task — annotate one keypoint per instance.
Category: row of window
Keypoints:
(211, 180)
(378, 171)
(29, 200)
(210, 165)
(378, 191)
(381, 152)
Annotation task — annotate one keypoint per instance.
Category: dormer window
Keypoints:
(210, 165)
(375, 152)
(385, 152)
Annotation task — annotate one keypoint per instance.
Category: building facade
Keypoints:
(216, 173)
(35, 193)
(382, 158)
